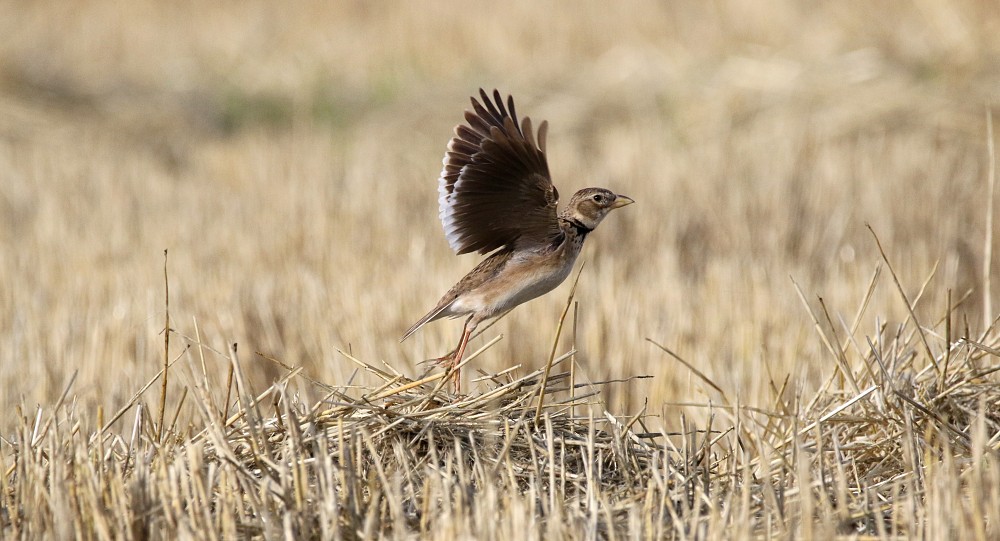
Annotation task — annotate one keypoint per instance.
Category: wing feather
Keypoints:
(495, 190)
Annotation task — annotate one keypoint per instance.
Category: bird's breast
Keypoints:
(527, 276)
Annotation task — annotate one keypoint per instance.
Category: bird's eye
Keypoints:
(598, 198)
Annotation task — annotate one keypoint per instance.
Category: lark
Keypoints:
(496, 197)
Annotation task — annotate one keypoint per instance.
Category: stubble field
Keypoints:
(286, 158)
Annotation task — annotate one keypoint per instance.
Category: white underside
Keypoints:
(535, 283)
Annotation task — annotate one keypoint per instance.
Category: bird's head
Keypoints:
(590, 205)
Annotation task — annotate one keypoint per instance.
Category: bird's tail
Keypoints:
(436, 313)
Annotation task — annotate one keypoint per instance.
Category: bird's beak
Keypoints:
(621, 201)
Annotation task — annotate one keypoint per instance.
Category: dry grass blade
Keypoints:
(166, 349)
(555, 344)
(138, 394)
(909, 306)
(690, 367)
(991, 182)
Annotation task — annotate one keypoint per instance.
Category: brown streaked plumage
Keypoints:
(496, 195)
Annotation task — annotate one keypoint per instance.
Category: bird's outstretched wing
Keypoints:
(495, 188)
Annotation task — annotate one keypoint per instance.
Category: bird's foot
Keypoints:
(445, 361)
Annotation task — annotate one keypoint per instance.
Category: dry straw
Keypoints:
(897, 447)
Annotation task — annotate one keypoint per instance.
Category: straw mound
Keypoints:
(402, 439)
(864, 446)
(897, 439)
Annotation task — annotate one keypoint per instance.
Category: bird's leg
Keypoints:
(455, 356)
(470, 326)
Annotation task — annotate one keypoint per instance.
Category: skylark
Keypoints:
(496, 196)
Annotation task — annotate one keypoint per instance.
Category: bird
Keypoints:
(496, 197)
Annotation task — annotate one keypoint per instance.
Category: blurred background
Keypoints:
(287, 156)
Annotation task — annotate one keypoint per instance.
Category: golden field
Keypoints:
(286, 157)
